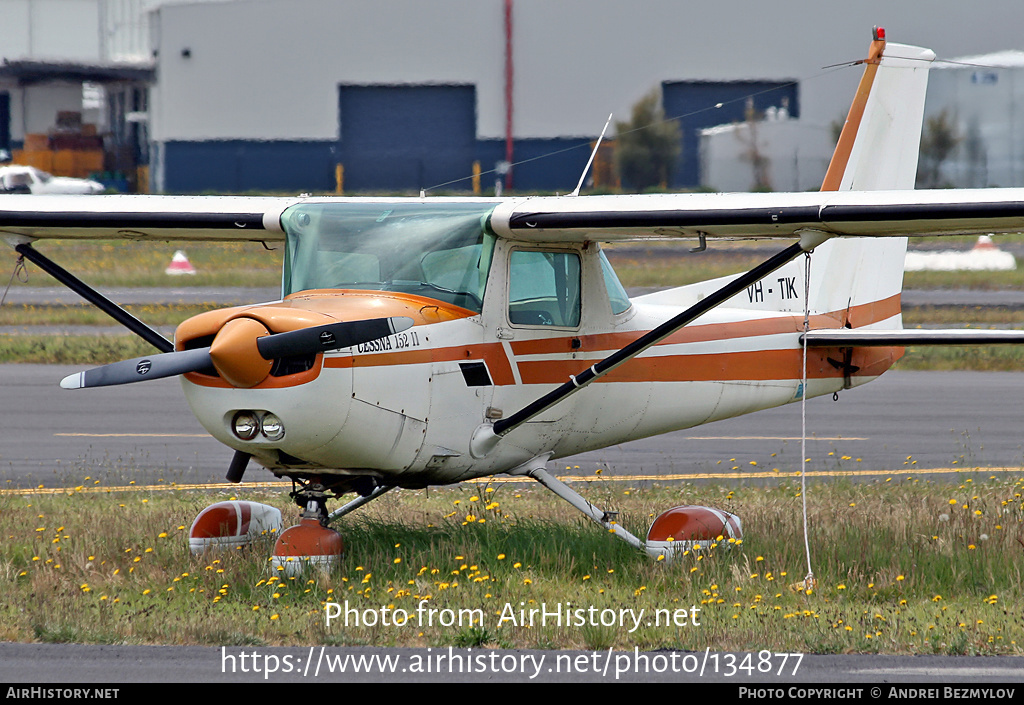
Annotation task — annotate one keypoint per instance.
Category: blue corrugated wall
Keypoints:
(406, 138)
(693, 103)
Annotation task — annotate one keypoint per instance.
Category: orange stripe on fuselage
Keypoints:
(844, 148)
(493, 355)
(860, 315)
(752, 365)
(744, 365)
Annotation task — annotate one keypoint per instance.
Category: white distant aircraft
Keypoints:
(28, 179)
(426, 341)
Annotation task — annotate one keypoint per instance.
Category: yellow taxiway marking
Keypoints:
(691, 438)
(177, 486)
(774, 438)
(750, 475)
(95, 489)
(136, 435)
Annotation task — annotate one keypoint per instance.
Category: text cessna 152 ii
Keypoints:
(426, 341)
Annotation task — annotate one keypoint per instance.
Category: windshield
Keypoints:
(435, 249)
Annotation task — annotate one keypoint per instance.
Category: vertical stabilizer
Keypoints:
(857, 279)
(878, 149)
(879, 144)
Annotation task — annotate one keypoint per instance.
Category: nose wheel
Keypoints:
(311, 542)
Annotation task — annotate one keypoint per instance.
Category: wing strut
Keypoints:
(94, 297)
(486, 437)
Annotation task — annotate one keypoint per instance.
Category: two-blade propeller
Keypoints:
(268, 346)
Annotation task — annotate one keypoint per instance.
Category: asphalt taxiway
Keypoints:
(904, 422)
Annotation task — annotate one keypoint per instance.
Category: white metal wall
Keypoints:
(984, 103)
(269, 68)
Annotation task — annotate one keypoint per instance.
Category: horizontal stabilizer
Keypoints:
(866, 338)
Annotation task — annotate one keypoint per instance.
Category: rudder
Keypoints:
(877, 150)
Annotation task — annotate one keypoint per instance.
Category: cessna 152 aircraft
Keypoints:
(426, 341)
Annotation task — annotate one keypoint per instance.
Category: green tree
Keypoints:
(647, 146)
(939, 138)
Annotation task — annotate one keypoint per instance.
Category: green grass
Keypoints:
(990, 358)
(138, 264)
(673, 265)
(88, 315)
(249, 264)
(142, 264)
(72, 349)
(901, 567)
(989, 281)
(962, 315)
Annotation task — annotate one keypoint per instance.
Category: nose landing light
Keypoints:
(246, 425)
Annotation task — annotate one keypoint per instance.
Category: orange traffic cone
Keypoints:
(180, 265)
(984, 243)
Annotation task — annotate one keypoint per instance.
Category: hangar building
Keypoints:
(307, 95)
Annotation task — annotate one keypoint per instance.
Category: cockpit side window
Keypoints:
(544, 289)
(617, 296)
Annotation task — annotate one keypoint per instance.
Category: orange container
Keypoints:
(40, 159)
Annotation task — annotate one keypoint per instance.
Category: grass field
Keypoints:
(135, 264)
(132, 263)
(901, 567)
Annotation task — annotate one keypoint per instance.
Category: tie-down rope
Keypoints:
(809, 581)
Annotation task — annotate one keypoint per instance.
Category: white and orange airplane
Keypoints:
(426, 341)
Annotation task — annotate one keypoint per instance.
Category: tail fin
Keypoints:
(878, 149)
(858, 279)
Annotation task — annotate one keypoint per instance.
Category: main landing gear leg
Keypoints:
(535, 469)
(672, 533)
(358, 502)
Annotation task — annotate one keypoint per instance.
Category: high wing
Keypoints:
(548, 219)
(224, 218)
(762, 215)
